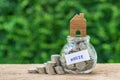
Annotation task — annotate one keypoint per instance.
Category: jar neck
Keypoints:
(78, 39)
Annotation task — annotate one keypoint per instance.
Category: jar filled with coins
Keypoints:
(82, 47)
(78, 55)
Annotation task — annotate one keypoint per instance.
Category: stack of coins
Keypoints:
(50, 67)
(32, 70)
(41, 69)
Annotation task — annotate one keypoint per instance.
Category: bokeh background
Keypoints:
(32, 30)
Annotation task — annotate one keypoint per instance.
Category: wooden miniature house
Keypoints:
(78, 22)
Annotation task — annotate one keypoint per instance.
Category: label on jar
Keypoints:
(77, 57)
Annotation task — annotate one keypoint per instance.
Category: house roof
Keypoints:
(78, 17)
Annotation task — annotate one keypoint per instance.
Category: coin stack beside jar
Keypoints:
(50, 67)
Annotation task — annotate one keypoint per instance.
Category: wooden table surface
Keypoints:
(19, 72)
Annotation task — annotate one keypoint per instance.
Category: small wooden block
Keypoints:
(78, 22)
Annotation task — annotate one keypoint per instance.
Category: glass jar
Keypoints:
(75, 45)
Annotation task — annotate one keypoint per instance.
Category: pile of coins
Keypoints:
(77, 45)
(50, 67)
(58, 64)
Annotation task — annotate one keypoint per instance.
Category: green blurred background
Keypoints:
(32, 30)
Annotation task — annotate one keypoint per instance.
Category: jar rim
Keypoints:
(87, 37)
